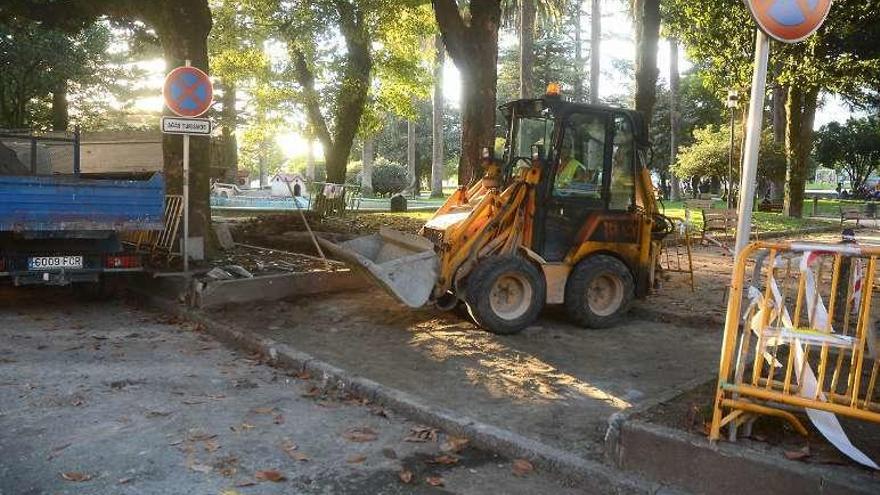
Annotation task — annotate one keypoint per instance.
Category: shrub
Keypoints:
(388, 177)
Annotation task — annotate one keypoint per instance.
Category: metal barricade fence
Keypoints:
(789, 351)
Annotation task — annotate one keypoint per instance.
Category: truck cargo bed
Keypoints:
(68, 203)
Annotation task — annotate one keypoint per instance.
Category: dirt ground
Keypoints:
(555, 383)
(106, 398)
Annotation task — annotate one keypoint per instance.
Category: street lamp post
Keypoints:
(732, 100)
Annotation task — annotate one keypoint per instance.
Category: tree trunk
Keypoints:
(578, 55)
(413, 188)
(367, 155)
(646, 15)
(595, 49)
(229, 143)
(60, 119)
(473, 47)
(310, 158)
(673, 116)
(183, 29)
(437, 123)
(526, 48)
(264, 173)
(800, 111)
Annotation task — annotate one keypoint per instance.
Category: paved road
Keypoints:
(137, 402)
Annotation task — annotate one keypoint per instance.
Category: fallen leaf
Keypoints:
(356, 459)
(453, 445)
(278, 419)
(123, 481)
(270, 475)
(405, 476)
(264, 410)
(76, 476)
(421, 434)
(444, 459)
(157, 414)
(798, 455)
(360, 434)
(247, 426)
(57, 450)
(211, 445)
(201, 468)
(522, 467)
(313, 391)
(200, 436)
(379, 411)
(434, 480)
(287, 445)
(299, 456)
(244, 483)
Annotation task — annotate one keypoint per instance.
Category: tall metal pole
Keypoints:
(730, 159)
(185, 248)
(752, 142)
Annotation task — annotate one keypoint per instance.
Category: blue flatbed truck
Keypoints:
(66, 229)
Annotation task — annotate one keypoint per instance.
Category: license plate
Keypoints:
(55, 262)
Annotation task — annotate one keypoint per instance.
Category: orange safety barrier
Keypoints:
(806, 339)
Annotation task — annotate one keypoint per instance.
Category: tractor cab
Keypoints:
(592, 195)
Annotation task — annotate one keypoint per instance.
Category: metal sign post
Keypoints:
(753, 142)
(788, 22)
(188, 93)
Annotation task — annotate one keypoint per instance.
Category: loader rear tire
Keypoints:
(505, 294)
(599, 292)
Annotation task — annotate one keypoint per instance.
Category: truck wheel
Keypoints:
(505, 294)
(599, 292)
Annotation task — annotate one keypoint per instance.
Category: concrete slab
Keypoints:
(554, 383)
(274, 287)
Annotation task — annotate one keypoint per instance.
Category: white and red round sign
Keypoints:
(789, 21)
(188, 92)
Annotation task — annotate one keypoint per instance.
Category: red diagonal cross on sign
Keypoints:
(187, 92)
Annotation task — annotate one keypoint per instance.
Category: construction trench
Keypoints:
(619, 409)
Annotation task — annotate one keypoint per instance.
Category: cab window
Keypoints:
(622, 189)
(581, 165)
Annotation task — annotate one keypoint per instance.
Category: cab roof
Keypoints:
(561, 109)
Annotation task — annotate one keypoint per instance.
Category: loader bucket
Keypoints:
(404, 264)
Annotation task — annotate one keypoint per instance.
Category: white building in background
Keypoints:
(279, 182)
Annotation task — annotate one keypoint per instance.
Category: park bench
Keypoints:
(770, 206)
(852, 213)
(717, 222)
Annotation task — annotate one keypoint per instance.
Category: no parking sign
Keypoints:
(789, 21)
(188, 91)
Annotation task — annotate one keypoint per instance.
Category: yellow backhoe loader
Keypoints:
(567, 216)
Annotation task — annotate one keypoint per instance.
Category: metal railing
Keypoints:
(789, 351)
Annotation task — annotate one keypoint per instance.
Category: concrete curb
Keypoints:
(274, 287)
(630, 444)
(724, 468)
(592, 476)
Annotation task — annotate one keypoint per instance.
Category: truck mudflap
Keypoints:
(405, 265)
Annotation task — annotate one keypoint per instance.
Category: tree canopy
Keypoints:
(852, 148)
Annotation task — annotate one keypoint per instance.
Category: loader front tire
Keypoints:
(599, 292)
(505, 294)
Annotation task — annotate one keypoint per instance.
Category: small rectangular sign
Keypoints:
(181, 125)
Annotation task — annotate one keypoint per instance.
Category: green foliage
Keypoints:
(36, 61)
(709, 154)
(843, 56)
(852, 148)
(388, 177)
(697, 108)
(391, 140)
